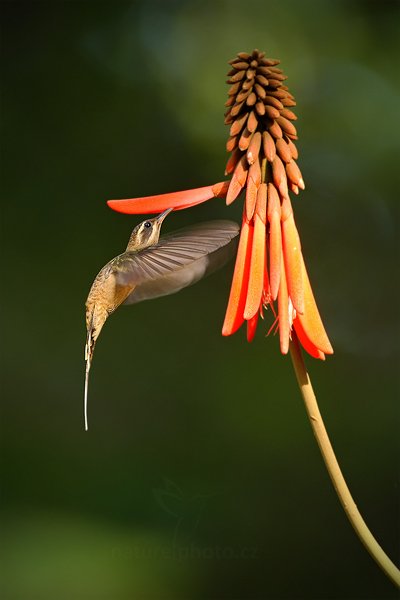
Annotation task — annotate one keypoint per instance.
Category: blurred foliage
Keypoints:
(199, 477)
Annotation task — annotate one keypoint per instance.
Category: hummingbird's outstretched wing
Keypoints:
(178, 260)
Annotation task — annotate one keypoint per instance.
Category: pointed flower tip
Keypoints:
(220, 189)
(310, 328)
(227, 331)
(252, 327)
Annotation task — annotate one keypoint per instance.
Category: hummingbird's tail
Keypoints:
(96, 316)
(89, 349)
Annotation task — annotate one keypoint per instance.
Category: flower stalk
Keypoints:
(332, 465)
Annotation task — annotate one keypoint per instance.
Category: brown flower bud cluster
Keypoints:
(259, 113)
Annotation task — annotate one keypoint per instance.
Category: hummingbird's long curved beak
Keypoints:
(162, 216)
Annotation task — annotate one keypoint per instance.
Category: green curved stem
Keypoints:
(332, 465)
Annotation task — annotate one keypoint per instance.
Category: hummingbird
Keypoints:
(152, 267)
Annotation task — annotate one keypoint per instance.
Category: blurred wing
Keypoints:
(178, 260)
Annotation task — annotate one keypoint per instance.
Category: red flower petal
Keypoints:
(253, 184)
(292, 257)
(237, 298)
(251, 198)
(252, 327)
(257, 264)
(283, 314)
(267, 288)
(220, 189)
(275, 240)
(305, 342)
(176, 200)
(261, 207)
(310, 321)
(238, 180)
(286, 208)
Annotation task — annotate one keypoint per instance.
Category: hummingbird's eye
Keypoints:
(147, 224)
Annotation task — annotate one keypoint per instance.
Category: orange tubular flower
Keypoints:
(269, 266)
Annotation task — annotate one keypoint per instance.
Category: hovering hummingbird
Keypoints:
(151, 267)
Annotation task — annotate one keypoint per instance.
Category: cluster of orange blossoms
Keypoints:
(269, 267)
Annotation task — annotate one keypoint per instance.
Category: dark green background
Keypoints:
(199, 477)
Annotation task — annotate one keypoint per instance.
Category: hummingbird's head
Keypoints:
(146, 233)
